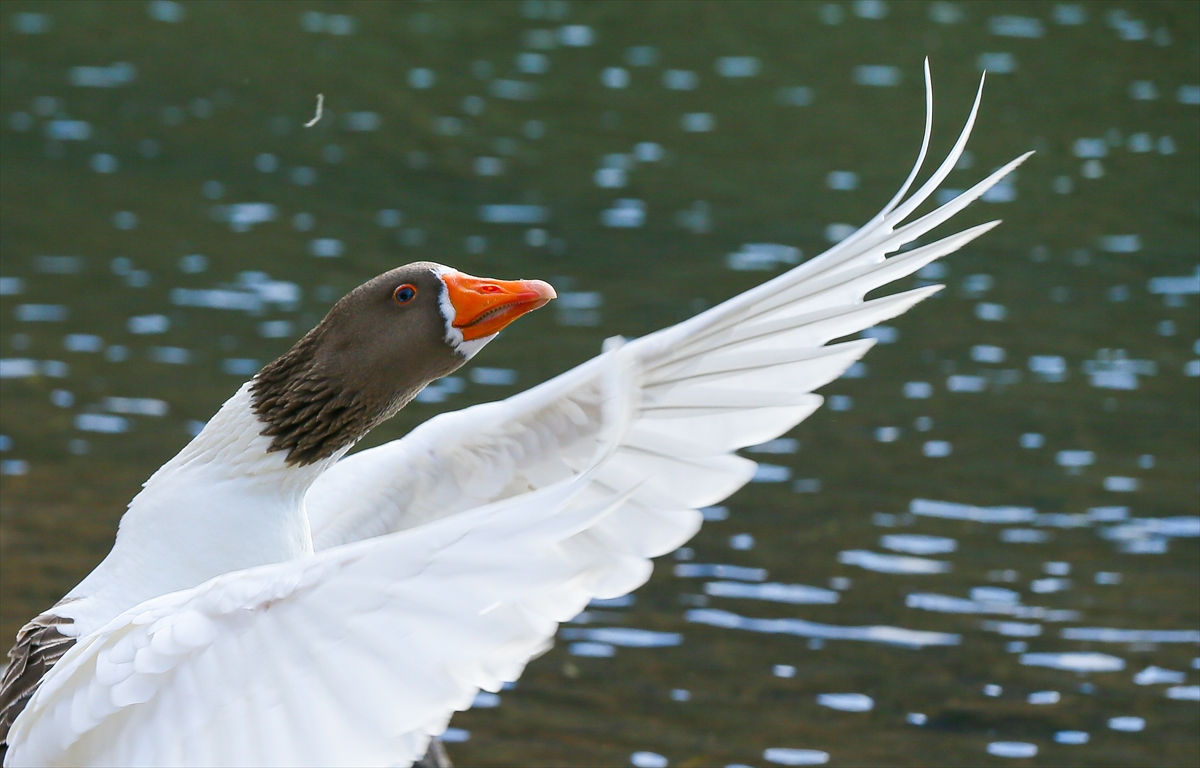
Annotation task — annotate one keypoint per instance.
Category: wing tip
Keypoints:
(924, 292)
(982, 229)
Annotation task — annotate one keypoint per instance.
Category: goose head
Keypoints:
(376, 349)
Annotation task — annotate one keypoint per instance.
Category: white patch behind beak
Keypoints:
(454, 336)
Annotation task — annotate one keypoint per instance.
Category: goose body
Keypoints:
(269, 602)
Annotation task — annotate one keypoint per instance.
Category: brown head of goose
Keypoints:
(377, 348)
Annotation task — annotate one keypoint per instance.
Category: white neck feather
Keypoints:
(224, 503)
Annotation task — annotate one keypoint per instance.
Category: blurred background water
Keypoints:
(983, 550)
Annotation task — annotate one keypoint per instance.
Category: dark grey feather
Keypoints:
(39, 645)
(435, 756)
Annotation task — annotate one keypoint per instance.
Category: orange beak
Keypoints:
(483, 307)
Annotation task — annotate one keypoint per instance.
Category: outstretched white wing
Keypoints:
(354, 656)
(738, 374)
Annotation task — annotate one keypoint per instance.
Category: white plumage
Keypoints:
(439, 564)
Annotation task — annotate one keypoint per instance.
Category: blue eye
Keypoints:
(405, 293)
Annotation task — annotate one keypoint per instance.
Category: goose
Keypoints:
(269, 600)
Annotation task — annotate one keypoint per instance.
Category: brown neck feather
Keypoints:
(309, 413)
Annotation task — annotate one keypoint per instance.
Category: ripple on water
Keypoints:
(873, 561)
(593, 650)
(624, 636)
(981, 602)
(1107, 635)
(954, 511)
(911, 638)
(785, 756)
(1127, 723)
(1015, 749)
(846, 702)
(1074, 662)
(918, 543)
(719, 571)
(1072, 737)
(1044, 697)
(780, 593)
(1153, 675)
(648, 760)
(1013, 628)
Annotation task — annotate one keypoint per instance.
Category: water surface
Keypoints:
(982, 550)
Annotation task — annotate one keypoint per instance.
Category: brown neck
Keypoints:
(310, 413)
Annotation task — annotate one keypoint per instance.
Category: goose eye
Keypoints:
(405, 293)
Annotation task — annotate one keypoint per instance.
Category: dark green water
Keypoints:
(134, 171)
